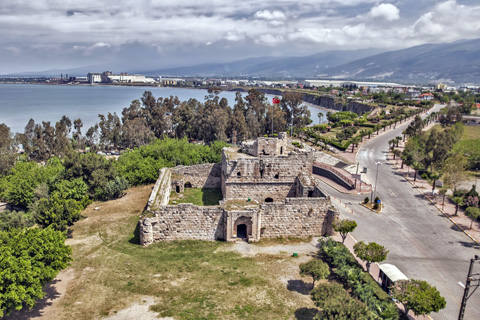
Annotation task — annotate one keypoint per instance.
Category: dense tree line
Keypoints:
(150, 118)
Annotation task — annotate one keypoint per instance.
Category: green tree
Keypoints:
(344, 227)
(296, 113)
(473, 213)
(320, 117)
(314, 268)
(418, 296)
(458, 202)
(7, 149)
(454, 170)
(29, 258)
(370, 253)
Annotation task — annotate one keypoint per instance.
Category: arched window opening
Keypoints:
(239, 174)
(268, 200)
(188, 185)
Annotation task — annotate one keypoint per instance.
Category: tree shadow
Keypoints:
(299, 286)
(455, 227)
(470, 244)
(51, 294)
(135, 239)
(305, 313)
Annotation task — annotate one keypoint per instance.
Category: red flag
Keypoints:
(275, 101)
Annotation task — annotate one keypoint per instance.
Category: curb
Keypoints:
(382, 206)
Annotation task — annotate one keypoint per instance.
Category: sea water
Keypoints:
(20, 102)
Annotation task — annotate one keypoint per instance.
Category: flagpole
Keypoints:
(273, 105)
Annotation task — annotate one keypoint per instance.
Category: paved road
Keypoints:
(423, 243)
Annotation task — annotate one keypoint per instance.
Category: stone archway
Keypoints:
(242, 228)
(242, 231)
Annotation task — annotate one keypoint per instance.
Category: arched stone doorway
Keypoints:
(187, 185)
(242, 231)
(242, 228)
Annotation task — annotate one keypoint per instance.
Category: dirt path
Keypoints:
(46, 308)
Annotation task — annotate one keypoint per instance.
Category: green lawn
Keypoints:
(471, 132)
(188, 279)
(197, 196)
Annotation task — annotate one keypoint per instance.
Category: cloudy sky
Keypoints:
(50, 34)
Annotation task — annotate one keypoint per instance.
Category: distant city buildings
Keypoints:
(109, 77)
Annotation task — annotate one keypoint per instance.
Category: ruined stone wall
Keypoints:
(161, 191)
(297, 217)
(256, 177)
(184, 221)
(207, 175)
(277, 191)
(270, 146)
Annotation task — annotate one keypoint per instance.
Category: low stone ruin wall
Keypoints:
(297, 217)
(207, 175)
(161, 191)
(184, 221)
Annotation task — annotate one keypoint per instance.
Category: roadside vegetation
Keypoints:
(449, 152)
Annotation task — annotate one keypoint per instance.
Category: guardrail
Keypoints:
(342, 175)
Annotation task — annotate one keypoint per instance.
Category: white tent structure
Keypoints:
(389, 274)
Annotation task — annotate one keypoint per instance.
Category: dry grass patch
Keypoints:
(185, 279)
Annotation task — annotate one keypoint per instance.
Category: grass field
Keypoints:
(197, 196)
(471, 132)
(187, 279)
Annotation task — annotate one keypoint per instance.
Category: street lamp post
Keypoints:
(375, 186)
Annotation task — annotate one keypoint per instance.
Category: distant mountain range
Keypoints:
(273, 67)
(457, 62)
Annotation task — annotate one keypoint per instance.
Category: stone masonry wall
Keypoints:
(256, 177)
(161, 191)
(207, 175)
(260, 191)
(184, 221)
(297, 217)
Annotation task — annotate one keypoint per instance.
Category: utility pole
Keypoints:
(356, 174)
(374, 191)
(470, 278)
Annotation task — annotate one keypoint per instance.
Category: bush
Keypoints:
(353, 277)
(459, 193)
(13, 219)
(366, 200)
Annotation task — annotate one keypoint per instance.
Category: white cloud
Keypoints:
(233, 35)
(385, 11)
(269, 39)
(269, 15)
(448, 21)
(221, 29)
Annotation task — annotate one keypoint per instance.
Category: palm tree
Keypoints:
(398, 139)
(320, 117)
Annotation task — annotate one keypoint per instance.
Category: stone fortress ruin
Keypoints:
(267, 190)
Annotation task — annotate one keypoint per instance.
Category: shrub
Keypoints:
(366, 200)
(376, 206)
